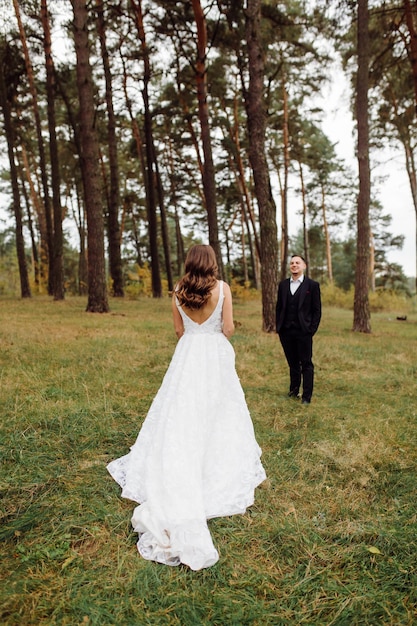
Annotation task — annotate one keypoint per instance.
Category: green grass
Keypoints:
(332, 537)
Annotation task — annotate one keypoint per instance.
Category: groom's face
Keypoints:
(297, 266)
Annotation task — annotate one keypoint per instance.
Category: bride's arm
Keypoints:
(178, 323)
(228, 324)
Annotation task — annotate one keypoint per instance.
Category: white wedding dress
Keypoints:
(196, 456)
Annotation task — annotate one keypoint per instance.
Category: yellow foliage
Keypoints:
(387, 300)
(139, 282)
(379, 300)
(334, 296)
(243, 292)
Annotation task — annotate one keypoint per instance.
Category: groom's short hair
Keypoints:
(300, 256)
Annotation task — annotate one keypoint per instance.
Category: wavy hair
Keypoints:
(194, 289)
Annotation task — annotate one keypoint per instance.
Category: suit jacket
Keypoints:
(309, 305)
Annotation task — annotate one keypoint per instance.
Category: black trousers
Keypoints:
(298, 350)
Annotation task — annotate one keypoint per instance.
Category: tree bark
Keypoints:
(306, 244)
(90, 161)
(79, 219)
(284, 193)
(255, 108)
(372, 281)
(164, 223)
(412, 177)
(247, 210)
(361, 313)
(413, 60)
(209, 182)
(326, 236)
(40, 214)
(42, 158)
(79, 214)
(57, 251)
(35, 255)
(409, 18)
(10, 137)
(113, 228)
(149, 151)
(173, 200)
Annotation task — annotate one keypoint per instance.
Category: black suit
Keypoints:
(297, 320)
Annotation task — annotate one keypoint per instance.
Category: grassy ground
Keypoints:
(332, 537)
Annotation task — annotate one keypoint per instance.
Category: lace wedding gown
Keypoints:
(196, 456)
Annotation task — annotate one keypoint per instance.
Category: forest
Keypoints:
(130, 130)
(135, 128)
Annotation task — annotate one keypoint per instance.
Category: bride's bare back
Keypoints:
(199, 316)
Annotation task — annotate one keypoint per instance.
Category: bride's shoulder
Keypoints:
(226, 287)
(220, 288)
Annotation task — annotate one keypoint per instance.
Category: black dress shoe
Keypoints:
(294, 394)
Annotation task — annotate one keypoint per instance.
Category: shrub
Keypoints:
(243, 291)
(379, 300)
(138, 282)
(334, 296)
(388, 300)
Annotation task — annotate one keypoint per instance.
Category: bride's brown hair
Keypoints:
(194, 289)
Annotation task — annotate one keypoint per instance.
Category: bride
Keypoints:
(196, 456)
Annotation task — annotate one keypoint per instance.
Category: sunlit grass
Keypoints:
(332, 536)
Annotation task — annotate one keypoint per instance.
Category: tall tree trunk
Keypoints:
(10, 138)
(35, 255)
(255, 108)
(242, 239)
(410, 20)
(188, 120)
(79, 219)
(409, 16)
(284, 192)
(180, 244)
(237, 168)
(90, 161)
(113, 228)
(58, 262)
(326, 236)
(209, 182)
(250, 218)
(255, 251)
(361, 312)
(173, 201)
(143, 169)
(40, 214)
(164, 224)
(79, 214)
(306, 244)
(134, 124)
(412, 177)
(149, 151)
(42, 158)
(243, 194)
(372, 263)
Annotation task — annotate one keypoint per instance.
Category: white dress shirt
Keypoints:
(294, 284)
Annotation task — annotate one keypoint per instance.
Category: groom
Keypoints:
(298, 315)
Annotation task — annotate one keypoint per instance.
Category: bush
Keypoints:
(243, 291)
(138, 282)
(388, 300)
(379, 300)
(335, 296)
